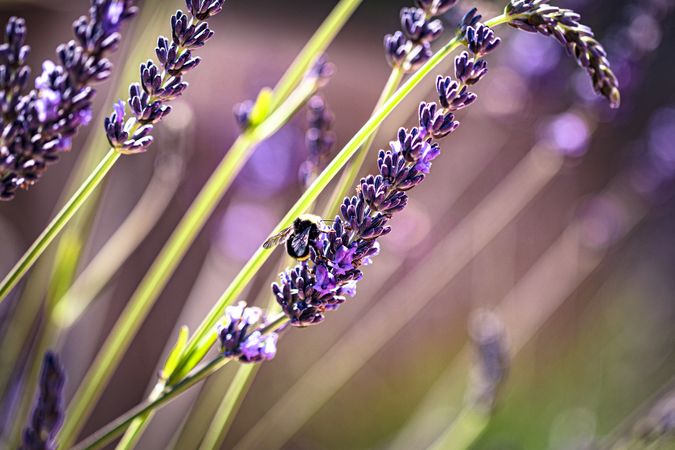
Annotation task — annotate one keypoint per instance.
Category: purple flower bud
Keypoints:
(242, 113)
(48, 410)
(417, 28)
(396, 48)
(481, 40)
(468, 70)
(241, 337)
(451, 95)
(434, 122)
(203, 9)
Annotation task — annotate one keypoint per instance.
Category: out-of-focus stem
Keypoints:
(351, 172)
(222, 420)
(313, 49)
(58, 223)
(463, 432)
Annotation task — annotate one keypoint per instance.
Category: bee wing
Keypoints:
(278, 238)
(300, 242)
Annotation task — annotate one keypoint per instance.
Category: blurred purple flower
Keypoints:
(48, 410)
(568, 133)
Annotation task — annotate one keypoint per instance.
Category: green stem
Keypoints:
(313, 49)
(464, 431)
(203, 338)
(167, 261)
(351, 172)
(100, 270)
(115, 428)
(136, 428)
(57, 224)
(222, 420)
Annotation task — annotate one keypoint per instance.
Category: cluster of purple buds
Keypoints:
(537, 16)
(163, 82)
(319, 139)
(491, 361)
(319, 74)
(329, 276)
(241, 335)
(48, 411)
(39, 125)
(409, 48)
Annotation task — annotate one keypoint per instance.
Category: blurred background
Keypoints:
(546, 208)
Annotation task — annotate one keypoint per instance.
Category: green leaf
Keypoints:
(176, 353)
(262, 106)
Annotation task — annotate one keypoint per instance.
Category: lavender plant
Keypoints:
(309, 290)
(161, 84)
(147, 102)
(538, 16)
(200, 341)
(148, 99)
(405, 50)
(37, 126)
(47, 414)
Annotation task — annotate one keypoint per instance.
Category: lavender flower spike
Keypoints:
(325, 281)
(319, 139)
(409, 48)
(537, 16)
(48, 411)
(38, 125)
(241, 335)
(160, 84)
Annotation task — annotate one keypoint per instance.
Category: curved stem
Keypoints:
(57, 224)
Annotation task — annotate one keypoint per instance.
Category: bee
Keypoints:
(299, 236)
